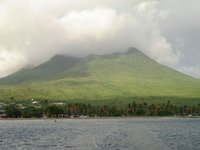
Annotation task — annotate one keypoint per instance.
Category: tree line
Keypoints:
(81, 109)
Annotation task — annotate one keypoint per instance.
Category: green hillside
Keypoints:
(45, 71)
(115, 78)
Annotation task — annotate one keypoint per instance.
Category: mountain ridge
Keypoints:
(107, 77)
(56, 64)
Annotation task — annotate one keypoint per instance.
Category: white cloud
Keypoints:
(147, 7)
(156, 44)
(92, 23)
(10, 61)
(191, 70)
(33, 31)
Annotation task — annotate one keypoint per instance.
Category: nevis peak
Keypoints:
(101, 78)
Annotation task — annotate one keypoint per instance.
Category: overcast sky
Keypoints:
(32, 31)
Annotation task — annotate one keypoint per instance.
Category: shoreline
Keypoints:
(96, 118)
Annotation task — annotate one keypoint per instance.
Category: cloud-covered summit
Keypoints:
(33, 31)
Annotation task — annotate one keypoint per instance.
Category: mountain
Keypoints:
(112, 78)
(45, 71)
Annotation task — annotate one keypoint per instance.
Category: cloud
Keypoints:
(9, 61)
(33, 31)
(191, 70)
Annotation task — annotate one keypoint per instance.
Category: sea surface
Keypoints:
(100, 134)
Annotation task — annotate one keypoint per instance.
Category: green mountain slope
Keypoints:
(45, 71)
(114, 78)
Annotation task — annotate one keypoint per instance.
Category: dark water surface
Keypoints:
(98, 134)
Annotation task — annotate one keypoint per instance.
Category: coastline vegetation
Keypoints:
(46, 109)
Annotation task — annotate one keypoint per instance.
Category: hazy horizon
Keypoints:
(31, 32)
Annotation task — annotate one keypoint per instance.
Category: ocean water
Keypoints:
(100, 134)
